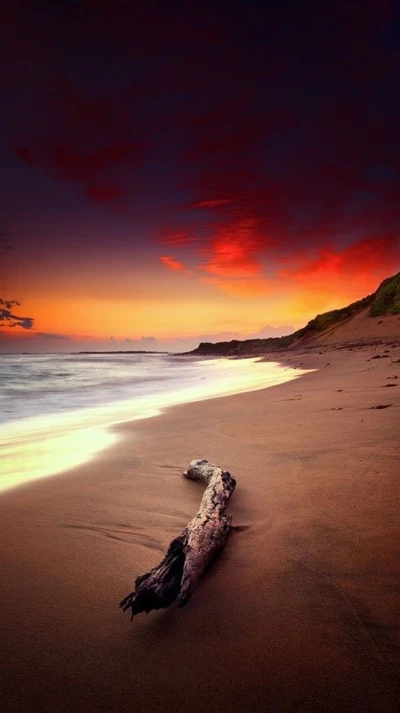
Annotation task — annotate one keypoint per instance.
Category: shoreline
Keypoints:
(299, 613)
(73, 438)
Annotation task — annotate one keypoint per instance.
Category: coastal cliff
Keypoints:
(356, 323)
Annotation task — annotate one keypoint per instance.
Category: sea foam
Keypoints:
(76, 400)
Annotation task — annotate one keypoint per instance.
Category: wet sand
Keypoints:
(300, 614)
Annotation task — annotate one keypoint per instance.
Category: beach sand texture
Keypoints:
(300, 614)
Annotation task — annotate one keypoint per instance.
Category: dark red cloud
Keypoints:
(234, 251)
(89, 114)
(83, 134)
(270, 130)
(331, 175)
(74, 165)
(23, 153)
(104, 193)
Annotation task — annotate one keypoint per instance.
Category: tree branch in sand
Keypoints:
(188, 555)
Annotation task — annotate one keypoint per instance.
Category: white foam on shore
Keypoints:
(37, 447)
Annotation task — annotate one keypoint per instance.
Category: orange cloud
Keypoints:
(174, 264)
(336, 277)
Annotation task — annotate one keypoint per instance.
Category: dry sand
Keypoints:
(361, 328)
(300, 613)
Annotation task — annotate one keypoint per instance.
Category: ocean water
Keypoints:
(57, 410)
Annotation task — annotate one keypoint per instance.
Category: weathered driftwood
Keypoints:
(188, 555)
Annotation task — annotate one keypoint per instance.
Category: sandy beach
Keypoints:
(300, 614)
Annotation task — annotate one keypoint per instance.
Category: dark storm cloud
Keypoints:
(314, 161)
(276, 123)
(85, 136)
(99, 163)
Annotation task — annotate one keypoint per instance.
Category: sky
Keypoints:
(175, 172)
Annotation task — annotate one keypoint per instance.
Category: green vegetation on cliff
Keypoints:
(328, 319)
(387, 297)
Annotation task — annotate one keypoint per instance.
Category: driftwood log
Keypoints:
(188, 555)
